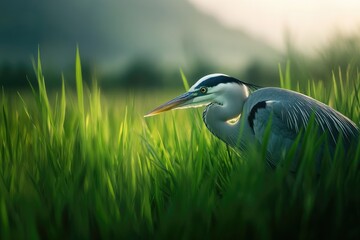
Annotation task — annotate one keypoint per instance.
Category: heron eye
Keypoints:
(203, 90)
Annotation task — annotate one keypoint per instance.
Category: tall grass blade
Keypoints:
(184, 80)
(79, 83)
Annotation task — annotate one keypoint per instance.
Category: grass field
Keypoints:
(83, 165)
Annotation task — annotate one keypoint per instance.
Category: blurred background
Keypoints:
(133, 44)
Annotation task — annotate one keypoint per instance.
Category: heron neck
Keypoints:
(216, 119)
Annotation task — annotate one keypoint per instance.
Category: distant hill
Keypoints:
(110, 32)
(128, 42)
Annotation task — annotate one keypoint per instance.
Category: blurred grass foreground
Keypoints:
(84, 165)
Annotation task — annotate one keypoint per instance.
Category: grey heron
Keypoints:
(238, 114)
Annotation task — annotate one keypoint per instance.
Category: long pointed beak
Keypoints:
(177, 102)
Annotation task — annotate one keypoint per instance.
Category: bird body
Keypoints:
(239, 114)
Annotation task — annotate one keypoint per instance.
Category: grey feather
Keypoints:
(292, 111)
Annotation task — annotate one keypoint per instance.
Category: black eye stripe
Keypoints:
(214, 81)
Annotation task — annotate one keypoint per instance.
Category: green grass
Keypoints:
(83, 165)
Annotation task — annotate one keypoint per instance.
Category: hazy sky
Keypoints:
(310, 22)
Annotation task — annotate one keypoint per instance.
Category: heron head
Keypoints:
(213, 88)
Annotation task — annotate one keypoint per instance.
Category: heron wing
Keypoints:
(290, 112)
(282, 133)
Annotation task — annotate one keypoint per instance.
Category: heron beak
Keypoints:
(177, 102)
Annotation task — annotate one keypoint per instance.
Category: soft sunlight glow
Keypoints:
(310, 23)
(233, 121)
